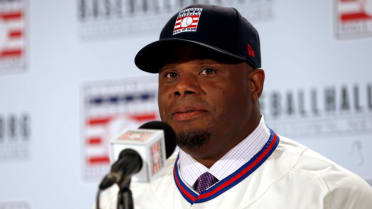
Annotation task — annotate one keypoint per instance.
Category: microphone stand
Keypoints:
(125, 199)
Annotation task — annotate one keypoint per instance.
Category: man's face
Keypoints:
(208, 103)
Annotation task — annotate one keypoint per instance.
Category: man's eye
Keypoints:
(207, 71)
(170, 75)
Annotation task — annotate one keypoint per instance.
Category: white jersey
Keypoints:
(284, 174)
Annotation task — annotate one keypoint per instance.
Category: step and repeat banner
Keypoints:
(68, 83)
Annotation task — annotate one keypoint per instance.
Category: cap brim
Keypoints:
(153, 56)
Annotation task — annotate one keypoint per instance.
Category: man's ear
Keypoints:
(257, 79)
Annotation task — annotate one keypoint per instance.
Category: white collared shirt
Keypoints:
(190, 169)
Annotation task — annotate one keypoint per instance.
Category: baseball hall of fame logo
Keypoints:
(353, 18)
(12, 36)
(14, 136)
(117, 18)
(187, 20)
(109, 108)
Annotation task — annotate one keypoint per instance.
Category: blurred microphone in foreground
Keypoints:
(140, 154)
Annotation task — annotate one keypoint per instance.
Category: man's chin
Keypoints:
(193, 139)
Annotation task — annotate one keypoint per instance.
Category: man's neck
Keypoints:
(206, 156)
(191, 169)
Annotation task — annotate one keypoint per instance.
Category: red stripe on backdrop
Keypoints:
(15, 15)
(10, 53)
(343, 1)
(98, 121)
(15, 34)
(94, 141)
(354, 16)
(143, 117)
(105, 120)
(98, 160)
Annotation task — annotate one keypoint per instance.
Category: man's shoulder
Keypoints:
(330, 177)
(303, 158)
(310, 162)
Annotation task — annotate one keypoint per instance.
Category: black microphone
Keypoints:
(128, 164)
(130, 160)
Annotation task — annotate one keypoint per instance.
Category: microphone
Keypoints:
(129, 162)
(140, 153)
(169, 135)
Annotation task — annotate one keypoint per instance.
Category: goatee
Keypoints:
(192, 139)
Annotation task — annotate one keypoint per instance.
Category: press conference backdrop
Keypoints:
(68, 83)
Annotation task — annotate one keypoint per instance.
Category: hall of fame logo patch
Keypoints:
(12, 36)
(187, 20)
(109, 108)
(353, 18)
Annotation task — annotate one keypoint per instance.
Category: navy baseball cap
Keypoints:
(217, 29)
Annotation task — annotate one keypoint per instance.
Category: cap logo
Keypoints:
(250, 51)
(187, 20)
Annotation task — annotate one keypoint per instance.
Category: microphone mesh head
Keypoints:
(169, 134)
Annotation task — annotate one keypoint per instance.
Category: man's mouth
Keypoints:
(183, 115)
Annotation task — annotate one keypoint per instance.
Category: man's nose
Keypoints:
(187, 85)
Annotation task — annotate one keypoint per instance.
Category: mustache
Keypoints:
(186, 105)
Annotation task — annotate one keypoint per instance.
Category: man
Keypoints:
(210, 80)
